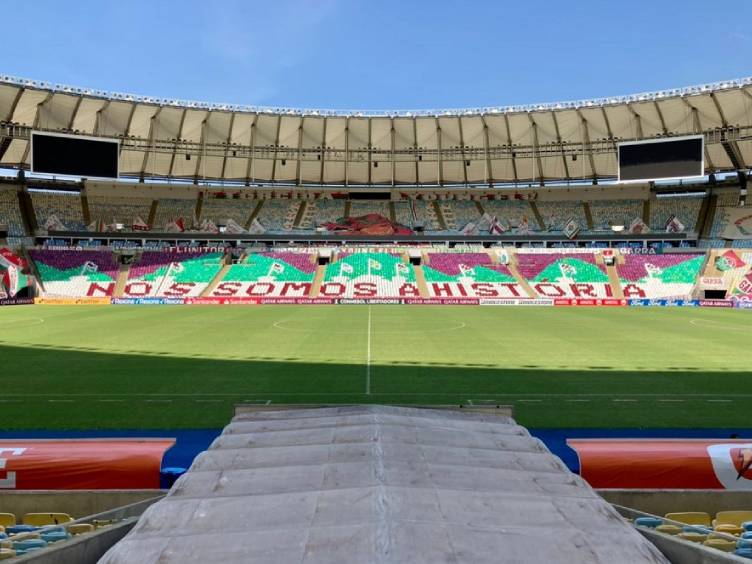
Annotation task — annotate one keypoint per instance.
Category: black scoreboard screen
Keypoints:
(73, 155)
(677, 157)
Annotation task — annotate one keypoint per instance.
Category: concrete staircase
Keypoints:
(317, 281)
(122, 280)
(215, 281)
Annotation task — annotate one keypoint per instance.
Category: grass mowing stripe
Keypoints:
(534, 357)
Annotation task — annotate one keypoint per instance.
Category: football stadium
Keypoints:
(261, 333)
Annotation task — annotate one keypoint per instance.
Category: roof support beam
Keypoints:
(276, 149)
(393, 135)
(439, 162)
(14, 105)
(638, 120)
(536, 148)
(347, 151)
(98, 118)
(370, 152)
(660, 117)
(228, 141)
(586, 143)
(40, 105)
(177, 141)
(250, 171)
(697, 128)
(128, 124)
(202, 149)
(561, 146)
(731, 148)
(415, 151)
(152, 133)
(462, 149)
(72, 119)
(511, 150)
(489, 171)
(300, 150)
(323, 151)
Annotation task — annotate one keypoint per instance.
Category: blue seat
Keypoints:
(29, 544)
(15, 529)
(746, 535)
(54, 536)
(744, 552)
(651, 522)
(747, 525)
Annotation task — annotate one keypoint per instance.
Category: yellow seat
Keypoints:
(7, 519)
(721, 544)
(7, 553)
(44, 519)
(729, 529)
(80, 528)
(669, 529)
(690, 518)
(732, 518)
(693, 537)
(6, 543)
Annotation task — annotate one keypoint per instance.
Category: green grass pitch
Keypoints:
(169, 367)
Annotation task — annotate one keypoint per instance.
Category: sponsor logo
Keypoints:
(516, 302)
(16, 301)
(73, 301)
(147, 301)
(716, 303)
(732, 465)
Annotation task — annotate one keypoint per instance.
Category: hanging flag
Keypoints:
(638, 227)
(54, 224)
(728, 261)
(256, 228)
(139, 225)
(232, 227)
(673, 225)
(652, 270)
(567, 270)
(571, 229)
(345, 268)
(466, 270)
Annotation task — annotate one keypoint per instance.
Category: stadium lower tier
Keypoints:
(489, 273)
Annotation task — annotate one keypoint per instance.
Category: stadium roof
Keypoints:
(379, 484)
(567, 141)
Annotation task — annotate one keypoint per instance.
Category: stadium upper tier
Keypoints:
(167, 138)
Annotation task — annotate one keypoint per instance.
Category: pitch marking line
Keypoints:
(368, 356)
(688, 397)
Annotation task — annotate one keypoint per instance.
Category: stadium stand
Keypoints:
(64, 206)
(322, 211)
(376, 483)
(556, 214)
(111, 210)
(172, 274)
(365, 207)
(564, 274)
(10, 214)
(411, 212)
(269, 274)
(172, 209)
(278, 215)
(65, 273)
(614, 212)
(458, 214)
(369, 275)
(219, 211)
(660, 276)
(471, 274)
(685, 209)
(511, 212)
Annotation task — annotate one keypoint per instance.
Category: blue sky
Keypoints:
(377, 54)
